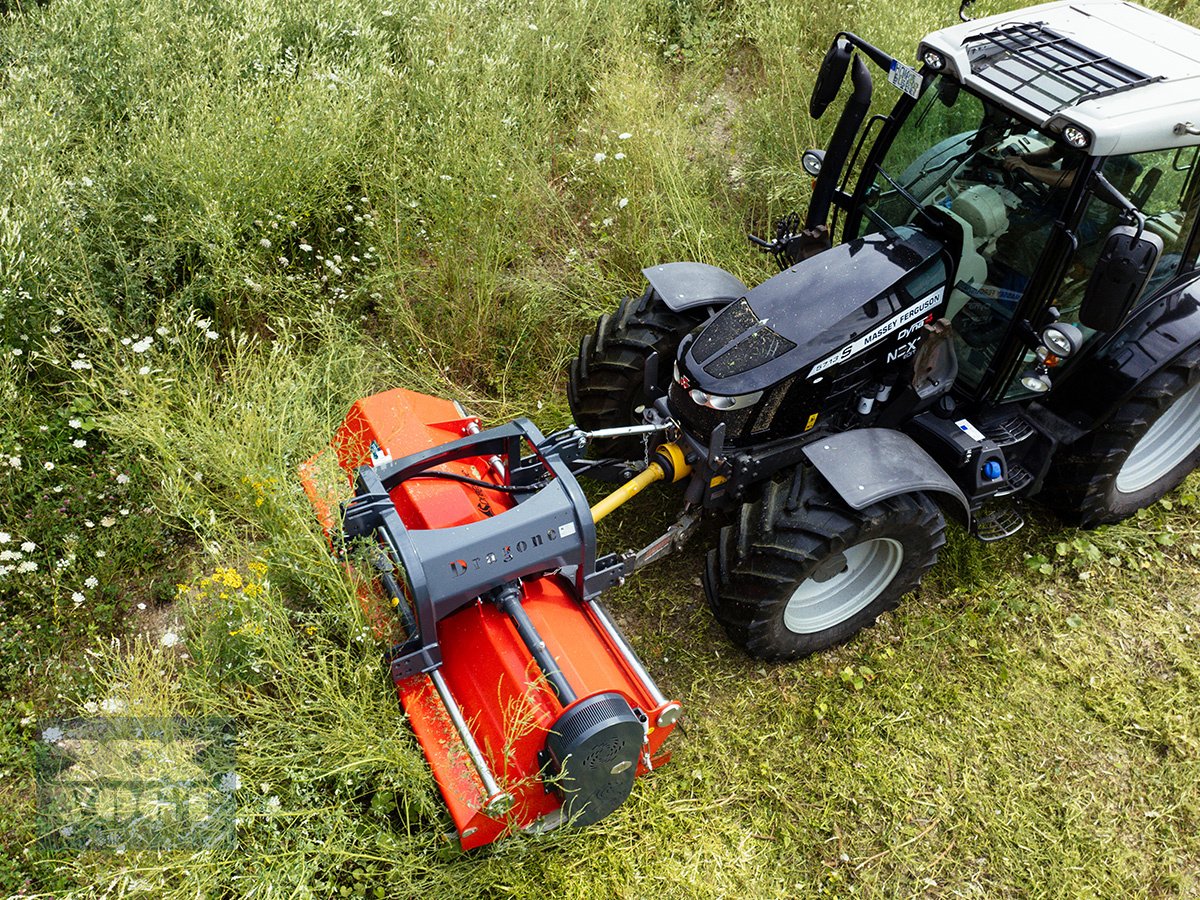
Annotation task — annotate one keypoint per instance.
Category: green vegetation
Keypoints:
(222, 222)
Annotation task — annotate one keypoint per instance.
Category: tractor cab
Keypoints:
(1041, 150)
(954, 170)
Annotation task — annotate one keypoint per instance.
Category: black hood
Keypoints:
(792, 323)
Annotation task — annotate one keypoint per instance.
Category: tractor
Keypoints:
(1010, 312)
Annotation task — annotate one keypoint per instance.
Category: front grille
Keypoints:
(735, 319)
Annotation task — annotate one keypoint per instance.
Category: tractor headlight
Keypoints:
(1076, 136)
(1062, 339)
(1036, 381)
(934, 60)
(723, 403)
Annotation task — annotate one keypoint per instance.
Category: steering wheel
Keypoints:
(1025, 186)
(988, 168)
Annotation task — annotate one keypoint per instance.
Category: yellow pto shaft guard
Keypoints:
(669, 463)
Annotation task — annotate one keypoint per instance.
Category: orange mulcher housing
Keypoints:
(530, 706)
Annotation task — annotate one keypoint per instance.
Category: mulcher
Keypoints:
(1011, 311)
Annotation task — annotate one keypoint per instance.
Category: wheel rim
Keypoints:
(817, 605)
(1169, 442)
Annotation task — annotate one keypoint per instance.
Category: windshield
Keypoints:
(990, 178)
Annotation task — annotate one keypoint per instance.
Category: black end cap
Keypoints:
(594, 748)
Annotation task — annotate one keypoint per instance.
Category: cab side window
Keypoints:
(1167, 194)
(1163, 185)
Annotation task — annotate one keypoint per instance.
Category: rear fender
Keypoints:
(1153, 338)
(688, 285)
(867, 465)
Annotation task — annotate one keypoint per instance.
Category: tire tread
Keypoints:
(1081, 485)
(605, 380)
(759, 560)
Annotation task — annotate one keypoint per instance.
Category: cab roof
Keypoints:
(1128, 76)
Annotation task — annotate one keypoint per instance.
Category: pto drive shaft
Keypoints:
(668, 463)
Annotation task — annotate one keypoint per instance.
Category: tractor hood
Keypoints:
(819, 313)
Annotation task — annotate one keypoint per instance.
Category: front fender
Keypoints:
(867, 465)
(1154, 336)
(686, 285)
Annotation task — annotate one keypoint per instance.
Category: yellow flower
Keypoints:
(228, 577)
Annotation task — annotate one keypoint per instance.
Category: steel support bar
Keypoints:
(497, 801)
(627, 653)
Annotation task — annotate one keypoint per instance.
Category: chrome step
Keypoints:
(1018, 479)
(1009, 431)
(996, 522)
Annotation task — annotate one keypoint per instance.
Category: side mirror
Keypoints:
(947, 91)
(830, 78)
(1122, 272)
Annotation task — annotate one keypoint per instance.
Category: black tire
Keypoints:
(606, 388)
(769, 556)
(1143, 451)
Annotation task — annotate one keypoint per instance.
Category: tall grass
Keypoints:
(222, 222)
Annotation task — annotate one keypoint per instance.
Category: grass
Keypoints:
(221, 223)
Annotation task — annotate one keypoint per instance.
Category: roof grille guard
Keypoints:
(1047, 70)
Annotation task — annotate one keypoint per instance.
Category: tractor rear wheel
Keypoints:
(606, 388)
(1144, 450)
(789, 580)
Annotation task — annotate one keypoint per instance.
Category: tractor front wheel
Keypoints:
(606, 388)
(794, 576)
(1144, 450)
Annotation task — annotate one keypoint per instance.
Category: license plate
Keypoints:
(905, 78)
